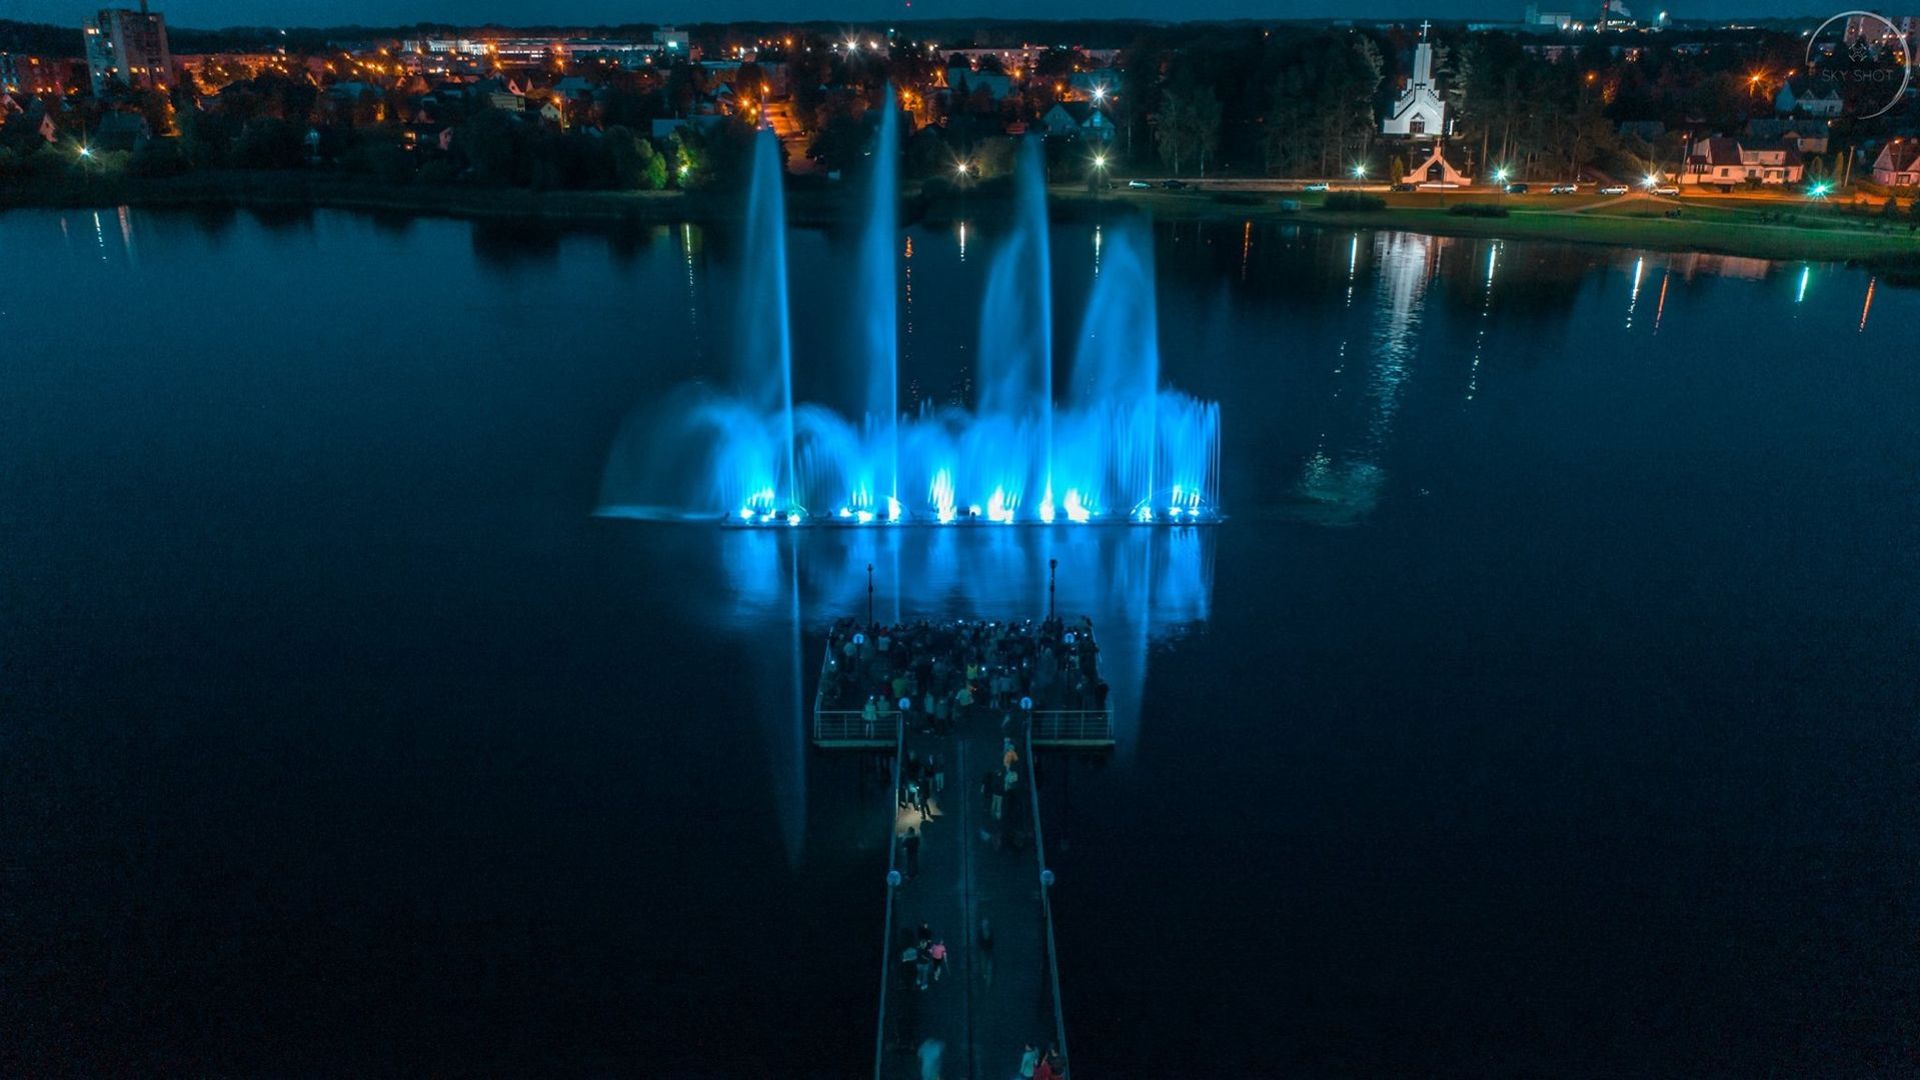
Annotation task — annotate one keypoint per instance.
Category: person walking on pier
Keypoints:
(1029, 1062)
(931, 1052)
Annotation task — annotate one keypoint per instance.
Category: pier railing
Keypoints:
(887, 963)
(1046, 913)
(1057, 728)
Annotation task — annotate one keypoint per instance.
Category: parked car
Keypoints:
(1173, 185)
(1667, 189)
(1517, 188)
(1614, 189)
(1564, 189)
(1318, 187)
(1404, 186)
(1139, 184)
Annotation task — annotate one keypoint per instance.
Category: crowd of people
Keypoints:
(939, 674)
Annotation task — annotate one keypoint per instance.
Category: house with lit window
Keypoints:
(1723, 162)
(1898, 164)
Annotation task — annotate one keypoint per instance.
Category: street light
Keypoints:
(1099, 94)
(1360, 171)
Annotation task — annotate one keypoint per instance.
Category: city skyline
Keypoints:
(216, 14)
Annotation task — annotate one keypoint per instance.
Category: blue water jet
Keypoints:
(1121, 449)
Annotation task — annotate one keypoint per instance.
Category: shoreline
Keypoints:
(1894, 250)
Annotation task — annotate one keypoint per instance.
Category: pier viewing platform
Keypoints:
(931, 675)
(970, 972)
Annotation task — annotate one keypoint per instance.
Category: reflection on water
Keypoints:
(1341, 485)
(781, 587)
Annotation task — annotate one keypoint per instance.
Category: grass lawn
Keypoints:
(1768, 230)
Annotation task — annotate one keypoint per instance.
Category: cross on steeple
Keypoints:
(1424, 27)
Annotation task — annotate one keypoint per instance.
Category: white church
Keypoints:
(1419, 113)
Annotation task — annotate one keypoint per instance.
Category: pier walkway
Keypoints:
(969, 968)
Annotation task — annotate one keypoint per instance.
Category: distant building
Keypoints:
(120, 131)
(1536, 20)
(1099, 84)
(1808, 99)
(1418, 112)
(675, 43)
(1724, 162)
(35, 118)
(1809, 136)
(1898, 164)
(33, 75)
(963, 83)
(1081, 119)
(127, 48)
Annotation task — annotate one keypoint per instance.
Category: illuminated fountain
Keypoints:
(1120, 448)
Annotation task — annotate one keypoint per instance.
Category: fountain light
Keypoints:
(997, 508)
(746, 513)
(1076, 509)
(793, 517)
(846, 512)
(864, 517)
(893, 508)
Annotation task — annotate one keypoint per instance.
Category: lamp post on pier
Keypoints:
(1052, 565)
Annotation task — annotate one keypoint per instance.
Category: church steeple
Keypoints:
(1419, 111)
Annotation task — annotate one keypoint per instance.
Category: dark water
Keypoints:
(1547, 708)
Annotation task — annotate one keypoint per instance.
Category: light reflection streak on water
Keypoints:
(1486, 309)
(1867, 307)
(693, 300)
(1800, 297)
(1406, 268)
(1633, 297)
(1660, 308)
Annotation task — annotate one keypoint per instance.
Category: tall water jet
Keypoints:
(764, 364)
(1016, 329)
(1116, 370)
(878, 313)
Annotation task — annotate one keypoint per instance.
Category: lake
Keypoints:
(1545, 706)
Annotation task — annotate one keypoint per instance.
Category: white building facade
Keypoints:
(1419, 112)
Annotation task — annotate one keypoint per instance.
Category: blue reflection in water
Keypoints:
(781, 587)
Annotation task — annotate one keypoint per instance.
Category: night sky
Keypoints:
(218, 13)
